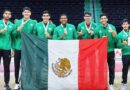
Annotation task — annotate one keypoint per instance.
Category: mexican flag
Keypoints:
(63, 64)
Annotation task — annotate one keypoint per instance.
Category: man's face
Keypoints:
(125, 25)
(87, 18)
(7, 15)
(46, 17)
(63, 19)
(26, 14)
(104, 20)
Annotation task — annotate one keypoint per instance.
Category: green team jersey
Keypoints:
(70, 30)
(41, 28)
(6, 37)
(83, 27)
(27, 26)
(123, 35)
(101, 31)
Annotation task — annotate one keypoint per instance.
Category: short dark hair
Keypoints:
(46, 12)
(87, 13)
(26, 8)
(103, 14)
(125, 20)
(63, 15)
(6, 11)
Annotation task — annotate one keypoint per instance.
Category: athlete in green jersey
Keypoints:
(65, 31)
(6, 28)
(26, 24)
(87, 27)
(45, 28)
(108, 30)
(124, 45)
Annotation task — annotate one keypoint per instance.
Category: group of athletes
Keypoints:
(10, 39)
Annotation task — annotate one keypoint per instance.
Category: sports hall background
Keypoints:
(115, 9)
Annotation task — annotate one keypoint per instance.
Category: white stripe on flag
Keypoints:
(58, 49)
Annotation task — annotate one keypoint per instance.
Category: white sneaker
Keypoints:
(124, 87)
(7, 87)
(111, 87)
(16, 87)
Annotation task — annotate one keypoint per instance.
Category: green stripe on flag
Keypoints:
(34, 63)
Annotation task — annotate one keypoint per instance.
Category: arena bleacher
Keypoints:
(73, 8)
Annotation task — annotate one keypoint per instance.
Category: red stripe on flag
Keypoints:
(92, 64)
